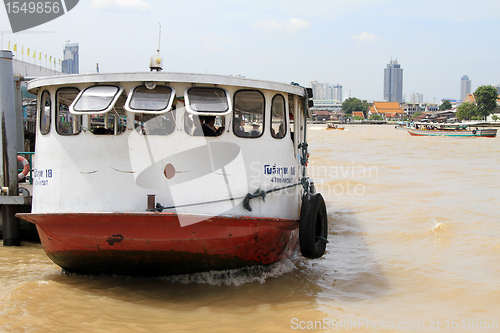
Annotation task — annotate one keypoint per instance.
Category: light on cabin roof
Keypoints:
(156, 62)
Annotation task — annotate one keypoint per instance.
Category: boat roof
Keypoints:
(480, 123)
(237, 81)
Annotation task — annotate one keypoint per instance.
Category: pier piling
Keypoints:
(8, 153)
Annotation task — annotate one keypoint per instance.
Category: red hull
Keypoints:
(154, 244)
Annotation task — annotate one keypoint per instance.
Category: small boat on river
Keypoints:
(334, 127)
(456, 130)
(158, 173)
(403, 125)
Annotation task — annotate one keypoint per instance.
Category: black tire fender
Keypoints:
(313, 226)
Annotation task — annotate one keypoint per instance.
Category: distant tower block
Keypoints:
(71, 62)
(393, 82)
(465, 87)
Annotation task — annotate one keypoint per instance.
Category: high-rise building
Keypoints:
(70, 64)
(336, 92)
(393, 82)
(465, 89)
(320, 90)
(417, 98)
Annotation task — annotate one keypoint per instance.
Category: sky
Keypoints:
(347, 42)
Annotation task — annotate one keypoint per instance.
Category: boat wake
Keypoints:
(235, 277)
(435, 226)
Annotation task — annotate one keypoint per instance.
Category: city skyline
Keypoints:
(284, 41)
(325, 91)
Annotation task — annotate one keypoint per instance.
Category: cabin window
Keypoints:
(96, 100)
(291, 107)
(67, 123)
(248, 115)
(155, 124)
(150, 100)
(203, 100)
(45, 113)
(110, 123)
(208, 126)
(278, 117)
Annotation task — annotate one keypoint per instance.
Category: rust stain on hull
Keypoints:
(115, 239)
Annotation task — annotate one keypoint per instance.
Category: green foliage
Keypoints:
(446, 105)
(495, 118)
(486, 100)
(355, 104)
(416, 114)
(466, 111)
(358, 118)
(376, 117)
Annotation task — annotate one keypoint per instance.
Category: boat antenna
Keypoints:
(159, 38)
(156, 61)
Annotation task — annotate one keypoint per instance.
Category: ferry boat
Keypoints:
(456, 130)
(157, 173)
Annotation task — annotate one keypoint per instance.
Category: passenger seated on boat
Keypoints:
(254, 132)
(239, 127)
(209, 127)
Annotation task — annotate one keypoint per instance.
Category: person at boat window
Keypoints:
(209, 127)
(239, 127)
(281, 132)
(254, 132)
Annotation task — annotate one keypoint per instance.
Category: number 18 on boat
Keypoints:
(157, 173)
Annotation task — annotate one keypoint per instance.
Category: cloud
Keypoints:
(121, 4)
(291, 25)
(366, 37)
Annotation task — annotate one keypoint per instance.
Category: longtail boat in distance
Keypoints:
(477, 129)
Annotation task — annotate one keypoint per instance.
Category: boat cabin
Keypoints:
(196, 143)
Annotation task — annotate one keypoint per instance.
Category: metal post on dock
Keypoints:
(8, 153)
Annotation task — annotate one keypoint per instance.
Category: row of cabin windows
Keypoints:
(248, 113)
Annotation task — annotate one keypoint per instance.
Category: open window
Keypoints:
(207, 101)
(195, 125)
(96, 100)
(248, 115)
(45, 113)
(278, 117)
(113, 122)
(67, 123)
(155, 124)
(149, 99)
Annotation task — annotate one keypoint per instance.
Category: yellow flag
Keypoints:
(50, 59)
(34, 54)
(15, 47)
(28, 51)
(45, 57)
(40, 56)
(22, 49)
(9, 45)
